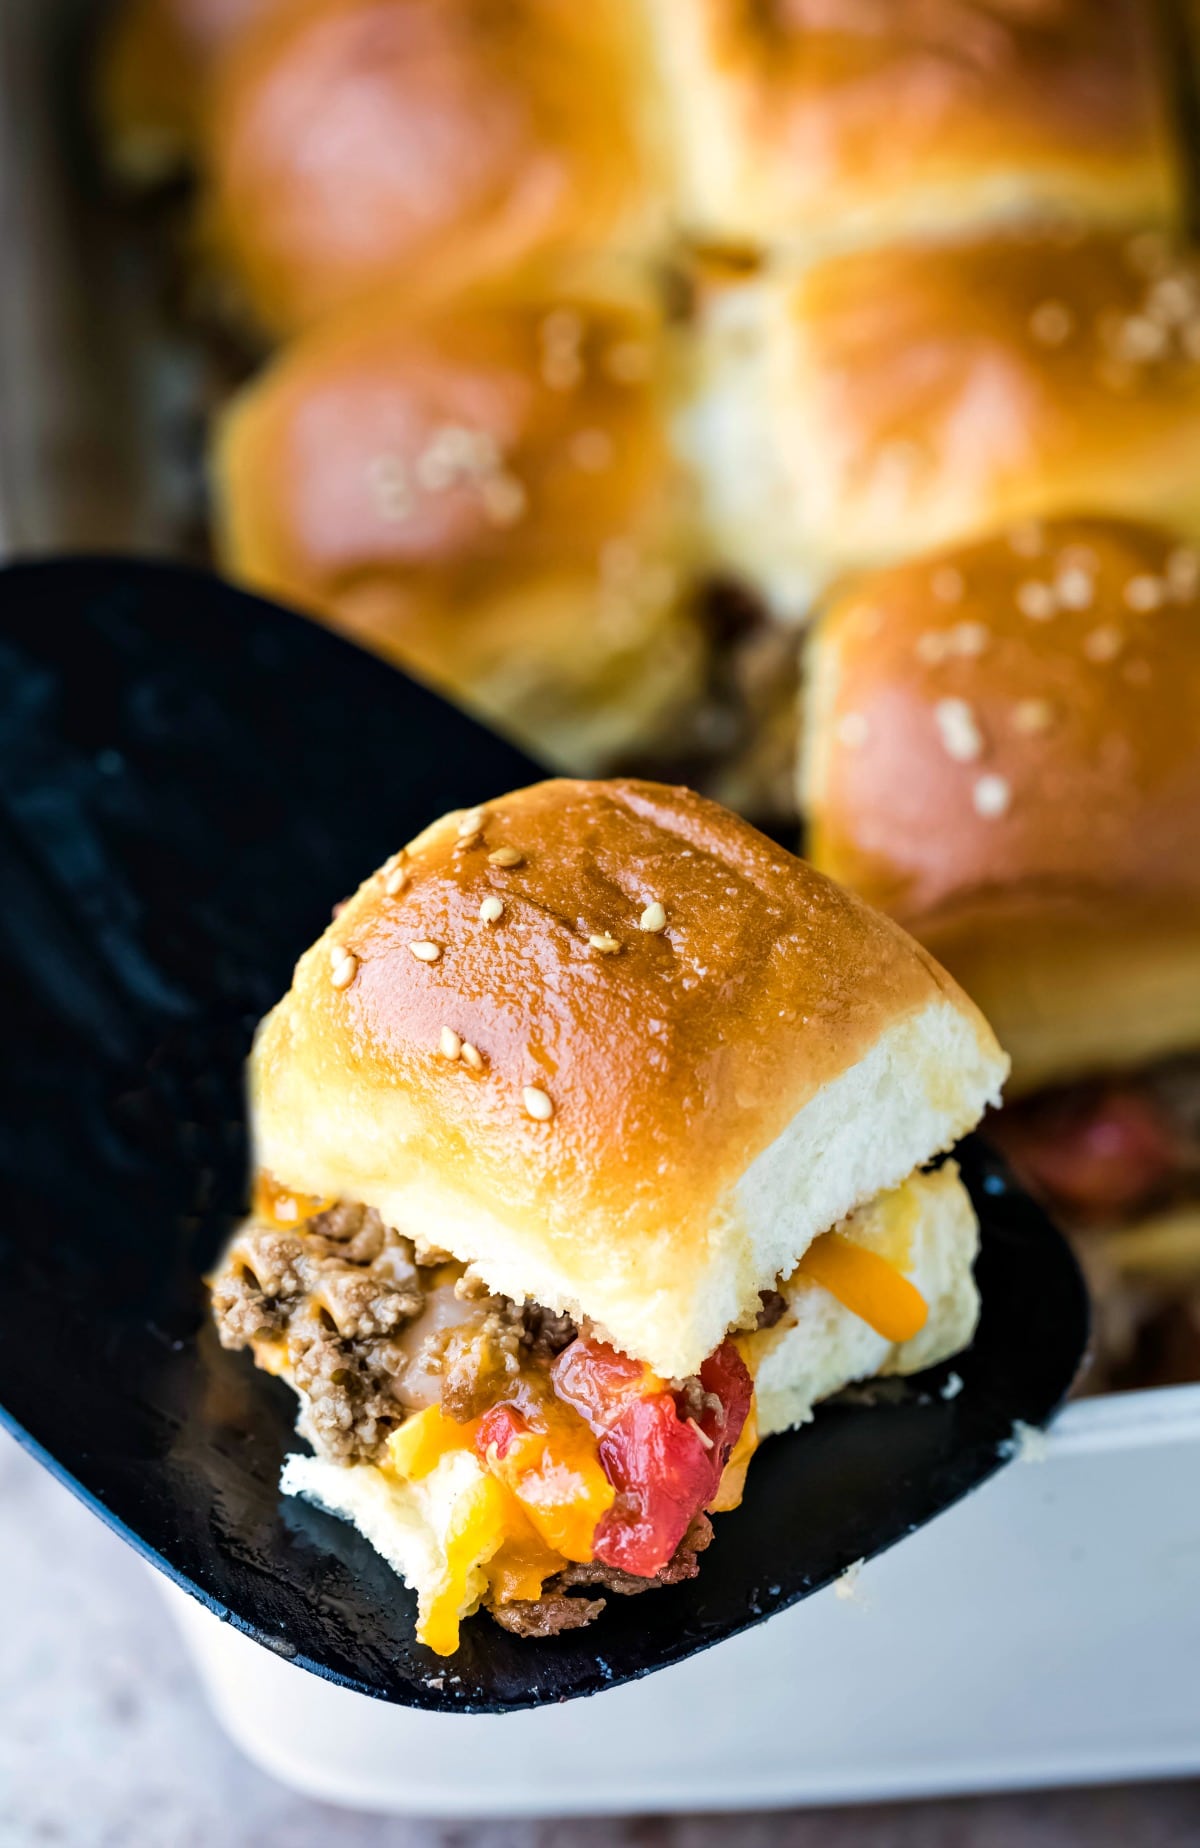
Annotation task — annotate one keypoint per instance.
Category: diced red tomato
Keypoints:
(500, 1426)
(666, 1467)
(663, 1474)
(598, 1382)
(726, 1375)
(1097, 1154)
(664, 1464)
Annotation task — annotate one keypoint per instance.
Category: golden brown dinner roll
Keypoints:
(882, 403)
(872, 119)
(688, 1055)
(486, 495)
(436, 142)
(154, 72)
(1004, 752)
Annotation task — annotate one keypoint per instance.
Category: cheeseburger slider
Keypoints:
(1004, 753)
(590, 1149)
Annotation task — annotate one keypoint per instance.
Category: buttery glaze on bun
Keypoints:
(1004, 753)
(874, 119)
(893, 400)
(487, 496)
(619, 1052)
(428, 142)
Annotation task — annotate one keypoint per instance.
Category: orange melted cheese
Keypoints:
(869, 1285)
(536, 1509)
(280, 1206)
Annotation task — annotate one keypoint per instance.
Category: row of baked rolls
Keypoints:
(488, 496)
(346, 142)
(890, 400)
(1003, 750)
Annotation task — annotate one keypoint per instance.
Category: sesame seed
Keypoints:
(1183, 572)
(619, 561)
(562, 369)
(395, 881)
(1144, 593)
(344, 970)
(1036, 600)
(537, 1104)
(1028, 539)
(1074, 588)
(491, 910)
(562, 327)
(932, 647)
(591, 450)
(628, 362)
(1141, 339)
(853, 730)
(992, 796)
(1051, 323)
(503, 499)
(1171, 299)
(1104, 643)
(426, 952)
(947, 584)
(967, 638)
(653, 918)
(505, 856)
(608, 946)
(1031, 716)
(389, 490)
(472, 1056)
(451, 1043)
(960, 734)
(469, 822)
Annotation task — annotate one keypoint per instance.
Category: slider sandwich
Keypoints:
(1004, 754)
(591, 1148)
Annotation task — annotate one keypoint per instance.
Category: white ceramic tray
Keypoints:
(1044, 1631)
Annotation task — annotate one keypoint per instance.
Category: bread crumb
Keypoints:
(846, 1587)
(1028, 1443)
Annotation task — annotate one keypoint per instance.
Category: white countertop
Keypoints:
(105, 1739)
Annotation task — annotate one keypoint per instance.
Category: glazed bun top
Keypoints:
(430, 142)
(871, 119)
(1026, 709)
(563, 1037)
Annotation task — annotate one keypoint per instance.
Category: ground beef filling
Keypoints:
(369, 1329)
(557, 1610)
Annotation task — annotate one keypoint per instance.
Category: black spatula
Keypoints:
(189, 780)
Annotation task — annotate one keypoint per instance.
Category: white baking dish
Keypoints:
(1045, 1630)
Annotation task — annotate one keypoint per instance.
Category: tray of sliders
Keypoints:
(805, 412)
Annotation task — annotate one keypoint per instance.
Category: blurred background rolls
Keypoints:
(894, 399)
(487, 494)
(434, 143)
(815, 121)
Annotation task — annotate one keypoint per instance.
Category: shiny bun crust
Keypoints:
(429, 142)
(485, 495)
(890, 401)
(874, 119)
(618, 1050)
(1004, 753)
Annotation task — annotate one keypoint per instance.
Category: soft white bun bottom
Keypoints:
(816, 1349)
(818, 1346)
